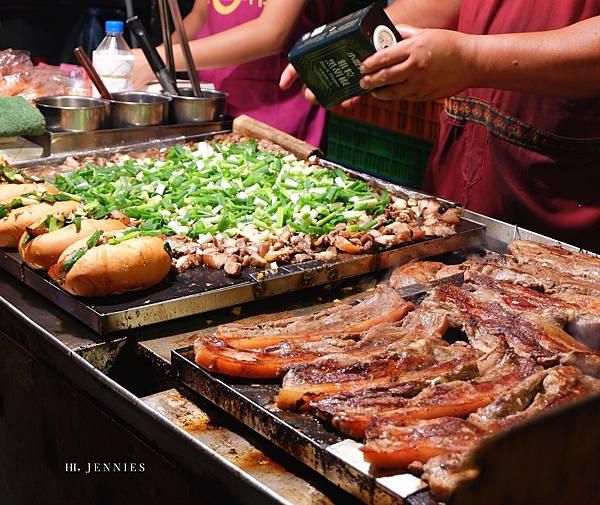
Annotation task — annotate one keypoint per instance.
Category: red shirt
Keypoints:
(527, 159)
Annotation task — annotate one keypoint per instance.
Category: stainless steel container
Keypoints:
(138, 108)
(73, 113)
(187, 108)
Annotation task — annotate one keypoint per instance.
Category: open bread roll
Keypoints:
(9, 192)
(45, 249)
(13, 226)
(108, 269)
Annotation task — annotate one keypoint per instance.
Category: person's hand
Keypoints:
(289, 77)
(426, 65)
(142, 73)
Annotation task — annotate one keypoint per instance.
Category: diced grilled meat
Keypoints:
(214, 260)
(233, 265)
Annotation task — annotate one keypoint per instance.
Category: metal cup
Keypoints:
(73, 113)
(187, 108)
(138, 108)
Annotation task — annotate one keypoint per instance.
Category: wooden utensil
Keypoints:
(86, 63)
(183, 40)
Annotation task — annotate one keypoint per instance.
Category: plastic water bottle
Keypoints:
(113, 60)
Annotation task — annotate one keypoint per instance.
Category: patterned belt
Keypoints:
(516, 131)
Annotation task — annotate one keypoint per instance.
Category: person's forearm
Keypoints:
(233, 47)
(564, 62)
(426, 13)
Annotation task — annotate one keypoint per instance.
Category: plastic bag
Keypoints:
(14, 61)
(18, 76)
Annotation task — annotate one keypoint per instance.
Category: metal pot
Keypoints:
(138, 108)
(187, 108)
(73, 113)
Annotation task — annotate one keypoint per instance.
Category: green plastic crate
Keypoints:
(377, 151)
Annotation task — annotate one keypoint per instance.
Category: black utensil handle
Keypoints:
(138, 30)
(157, 65)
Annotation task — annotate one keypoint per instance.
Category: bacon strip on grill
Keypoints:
(578, 265)
(488, 322)
(267, 350)
(410, 351)
(351, 414)
(444, 444)
(579, 315)
(505, 268)
(539, 393)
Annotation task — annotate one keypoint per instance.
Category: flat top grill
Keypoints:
(202, 289)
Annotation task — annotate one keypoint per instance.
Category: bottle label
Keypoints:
(116, 70)
(383, 37)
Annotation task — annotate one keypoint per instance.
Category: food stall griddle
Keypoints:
(202, 289)
(301, 435)
(339, 459)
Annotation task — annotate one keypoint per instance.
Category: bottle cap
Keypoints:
(113, 27)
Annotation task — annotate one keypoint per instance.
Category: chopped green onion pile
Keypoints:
(231, 189)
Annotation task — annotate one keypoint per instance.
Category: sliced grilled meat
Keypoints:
(266, 350)
(415, 272)
(396, 357)
(393, 446)
(578, 265)
(456, 398)
(488, 323)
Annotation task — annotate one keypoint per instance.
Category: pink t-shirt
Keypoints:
(254, 87)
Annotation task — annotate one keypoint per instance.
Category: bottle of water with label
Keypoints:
(113, 60)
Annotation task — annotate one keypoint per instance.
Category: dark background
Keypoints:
(50, 29)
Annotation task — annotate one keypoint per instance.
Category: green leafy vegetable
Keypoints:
(232, 189)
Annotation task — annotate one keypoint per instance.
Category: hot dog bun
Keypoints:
(8, 192)
(13, 226)
(44, 250)
(108, 269)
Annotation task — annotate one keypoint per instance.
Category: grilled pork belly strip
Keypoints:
(538, 393)
(455, 398)
(266, 351)
(505, 268)
(578, 314)
(414, 272)
(391, 445)
(445, 444)
(488, 322)
(383, 305)
(578, 265)
(410, 351)
(374, 364)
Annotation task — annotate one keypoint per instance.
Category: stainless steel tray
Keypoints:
(60, 143)
(304, 437)
(202, 289)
